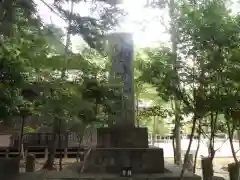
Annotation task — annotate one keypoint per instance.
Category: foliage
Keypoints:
(14, 74)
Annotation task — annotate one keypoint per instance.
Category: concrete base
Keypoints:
(112, 160)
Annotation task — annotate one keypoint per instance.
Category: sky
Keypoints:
(142, 22)
(147, 25)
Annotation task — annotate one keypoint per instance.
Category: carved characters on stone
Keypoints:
(122, 71)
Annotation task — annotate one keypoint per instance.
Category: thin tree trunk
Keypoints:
(68, 40)
(173, 33)
(212, 137)
(80, 140)
(173, 139)
(198, 146)
(60, 144)
(80, 137)
(52, 147)
(238, 132)
(21, 138)
(177, 136)
(137, 106)
(174, 147)
(189, 147)
(230, 135)
(154, 130)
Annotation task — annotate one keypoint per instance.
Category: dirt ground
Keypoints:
(219, 163)
(40, 162)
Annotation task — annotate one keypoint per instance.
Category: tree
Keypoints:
(13, 77)
(156, 112)
(201, 42)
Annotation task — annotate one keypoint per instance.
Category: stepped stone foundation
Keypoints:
(124, 147)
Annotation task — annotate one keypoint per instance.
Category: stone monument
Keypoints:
(120, 48)
(123, 144)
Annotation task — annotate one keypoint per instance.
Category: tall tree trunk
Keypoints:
(60, 144)
(174, 147)
(57, 125)
(213, 122)
(178, 139)
(238, 134)
(20, 145)
(137, 106)
(173, 34)
(154, 130)
(68, 41)
(52, 147)
(230, 135)
(189, 147)
(80, 138)
(198, 146)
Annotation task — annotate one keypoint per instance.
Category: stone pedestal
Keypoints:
(120, 137)
(112, 160)
(233, 170)
(207, 168)
(119, 147)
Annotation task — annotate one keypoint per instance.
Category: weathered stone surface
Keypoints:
(233, 170)
(207, 168)
(121, 55)
(9, 167)
(30, 163)
(111, 160)
(119, 137)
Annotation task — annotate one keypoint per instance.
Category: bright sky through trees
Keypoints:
(141, 21)
(147, 25)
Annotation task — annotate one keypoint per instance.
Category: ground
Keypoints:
(218, 162)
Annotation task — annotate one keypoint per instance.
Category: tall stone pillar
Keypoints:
(123, 134)
(121, 55)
